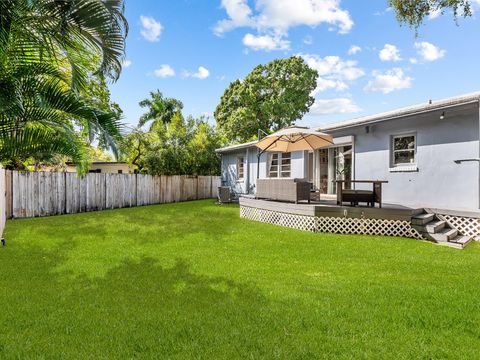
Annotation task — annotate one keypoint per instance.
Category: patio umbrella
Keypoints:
(294, 138)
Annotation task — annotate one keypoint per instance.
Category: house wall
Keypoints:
(439, 182)
(247, 185)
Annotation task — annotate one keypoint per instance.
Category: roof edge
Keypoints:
(405, 111)
(432, 105)
(236, 147)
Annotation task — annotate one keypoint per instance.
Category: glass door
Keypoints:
(332, 164)
(311, 175)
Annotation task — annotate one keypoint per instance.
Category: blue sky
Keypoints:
(193, 49)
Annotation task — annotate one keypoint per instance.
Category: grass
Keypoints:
(194, 281)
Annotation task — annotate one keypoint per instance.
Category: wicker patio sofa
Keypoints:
(292, 190)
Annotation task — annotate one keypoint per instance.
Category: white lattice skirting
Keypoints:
(464, 225)
(337, 225)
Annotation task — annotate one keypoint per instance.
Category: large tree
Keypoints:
(414, 12)
(272, 96)
(160, 109)
(48, 50)
(182, 146)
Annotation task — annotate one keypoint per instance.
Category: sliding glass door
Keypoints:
(332, 164)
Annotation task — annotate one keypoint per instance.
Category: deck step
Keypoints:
(422, 219)
(445, 235)
(461, 239)
(435, 226)
(451, 245)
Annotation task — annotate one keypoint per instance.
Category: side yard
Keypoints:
(193, 280)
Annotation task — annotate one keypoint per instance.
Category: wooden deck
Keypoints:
(329, 208)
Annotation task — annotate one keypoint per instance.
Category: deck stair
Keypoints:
(439, 231)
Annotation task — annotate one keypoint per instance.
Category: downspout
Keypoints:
(259, 153)
(247, 172)
(354, 163)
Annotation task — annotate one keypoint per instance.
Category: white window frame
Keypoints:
(279, 171)
(409, 166)
(240, 160)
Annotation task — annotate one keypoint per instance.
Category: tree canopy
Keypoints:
(49, 51)
(159, 109)
(172, 145)
(414, 12)
(271, 97)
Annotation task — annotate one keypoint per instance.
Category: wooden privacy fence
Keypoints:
(31, 194)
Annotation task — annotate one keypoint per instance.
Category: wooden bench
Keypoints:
(354, 197)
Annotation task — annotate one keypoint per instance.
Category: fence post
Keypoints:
(196, 187)
(211, 187)
(136, 189)
(105, 191)
(65, 190)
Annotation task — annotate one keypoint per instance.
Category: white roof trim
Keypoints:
(236, 147)
(406, 111)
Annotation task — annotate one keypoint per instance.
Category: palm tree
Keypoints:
(48, 48)
(159, 109)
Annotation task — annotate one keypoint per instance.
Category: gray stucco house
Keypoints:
(428, 153)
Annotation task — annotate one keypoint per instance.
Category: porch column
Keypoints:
(331, 171)
(316, 169)
(341, 163)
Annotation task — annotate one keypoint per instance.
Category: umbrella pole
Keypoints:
(258, 164)
(261, 152)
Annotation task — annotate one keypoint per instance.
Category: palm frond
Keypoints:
(39, 142)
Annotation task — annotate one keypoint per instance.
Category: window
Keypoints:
(285, 166)
(273, 165)
(240, 167)
(279, 165)
(403, 150)
(120, 171)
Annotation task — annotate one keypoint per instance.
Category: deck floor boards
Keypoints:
(329, 208)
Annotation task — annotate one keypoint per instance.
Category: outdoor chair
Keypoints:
(354, 197)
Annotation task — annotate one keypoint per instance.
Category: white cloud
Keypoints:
(388, 81)
(434, 14)
(354, 49)
(413, 60)
(202, 73)
(275, 17)
(265, 42)
(428, 51)
(239, 13)
(151, 28)
(390, 53)
(164, 71)
(126, 63)
(334, 106)
(334, 73)
(381, 13)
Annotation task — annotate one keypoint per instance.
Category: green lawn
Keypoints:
(194, 281)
